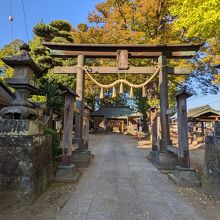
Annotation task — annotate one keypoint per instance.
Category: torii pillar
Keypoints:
(80, 87)
(81, 156)
(164, 159)
(164, 104)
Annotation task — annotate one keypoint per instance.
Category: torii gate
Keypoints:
(122, 53)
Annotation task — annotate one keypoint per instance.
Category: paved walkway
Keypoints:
(121, 184)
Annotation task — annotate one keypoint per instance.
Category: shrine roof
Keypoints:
(113, 112)
(202, 112)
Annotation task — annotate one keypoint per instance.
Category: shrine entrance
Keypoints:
(122, 54)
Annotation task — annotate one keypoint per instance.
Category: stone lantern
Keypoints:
(25, 152)
(23, 83)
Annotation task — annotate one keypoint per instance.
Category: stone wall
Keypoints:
(25, 164)
(211, 178)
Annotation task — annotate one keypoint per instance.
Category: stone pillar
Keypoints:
(70, 97)
(153, 116)
(80, 88)
(86, 126)
(164, 104)
(183, 175)
(181, 97)
(203, 129)
(67, 172)
(25, 152)
(211, 177)
(154, 133)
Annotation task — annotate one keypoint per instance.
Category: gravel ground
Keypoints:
(59, 196)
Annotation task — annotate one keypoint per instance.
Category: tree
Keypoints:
(125, 22)
(197, 19)
(50, 84)
(136, 22)
(200, 21)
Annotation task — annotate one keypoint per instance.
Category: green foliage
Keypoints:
(38, 98)
(60, 40)
(200, 18)
(66, 35)
(52, 92)
(200, 21)
(11, 49)
(40, 51)
(45, 62)
(58, 31)
(45, 31)
(54, 141)
(61, 25)
(143, 106)
(55, 31)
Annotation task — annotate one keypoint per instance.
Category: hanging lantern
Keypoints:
(131, 93)
(113, 92)
(143, 92)
(121, 91)
(101, 93)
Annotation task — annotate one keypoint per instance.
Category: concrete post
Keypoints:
(80, 87)
(164, 104)
(181, 97)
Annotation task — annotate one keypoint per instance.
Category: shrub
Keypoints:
(55, 141)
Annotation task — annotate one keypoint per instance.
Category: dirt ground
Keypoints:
(46, 207)
(208, 206)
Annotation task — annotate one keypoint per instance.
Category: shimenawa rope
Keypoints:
(121, 81)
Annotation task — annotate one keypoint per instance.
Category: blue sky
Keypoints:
(212, 100)
(75, 11)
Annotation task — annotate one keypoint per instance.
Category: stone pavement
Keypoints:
(121, 184)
